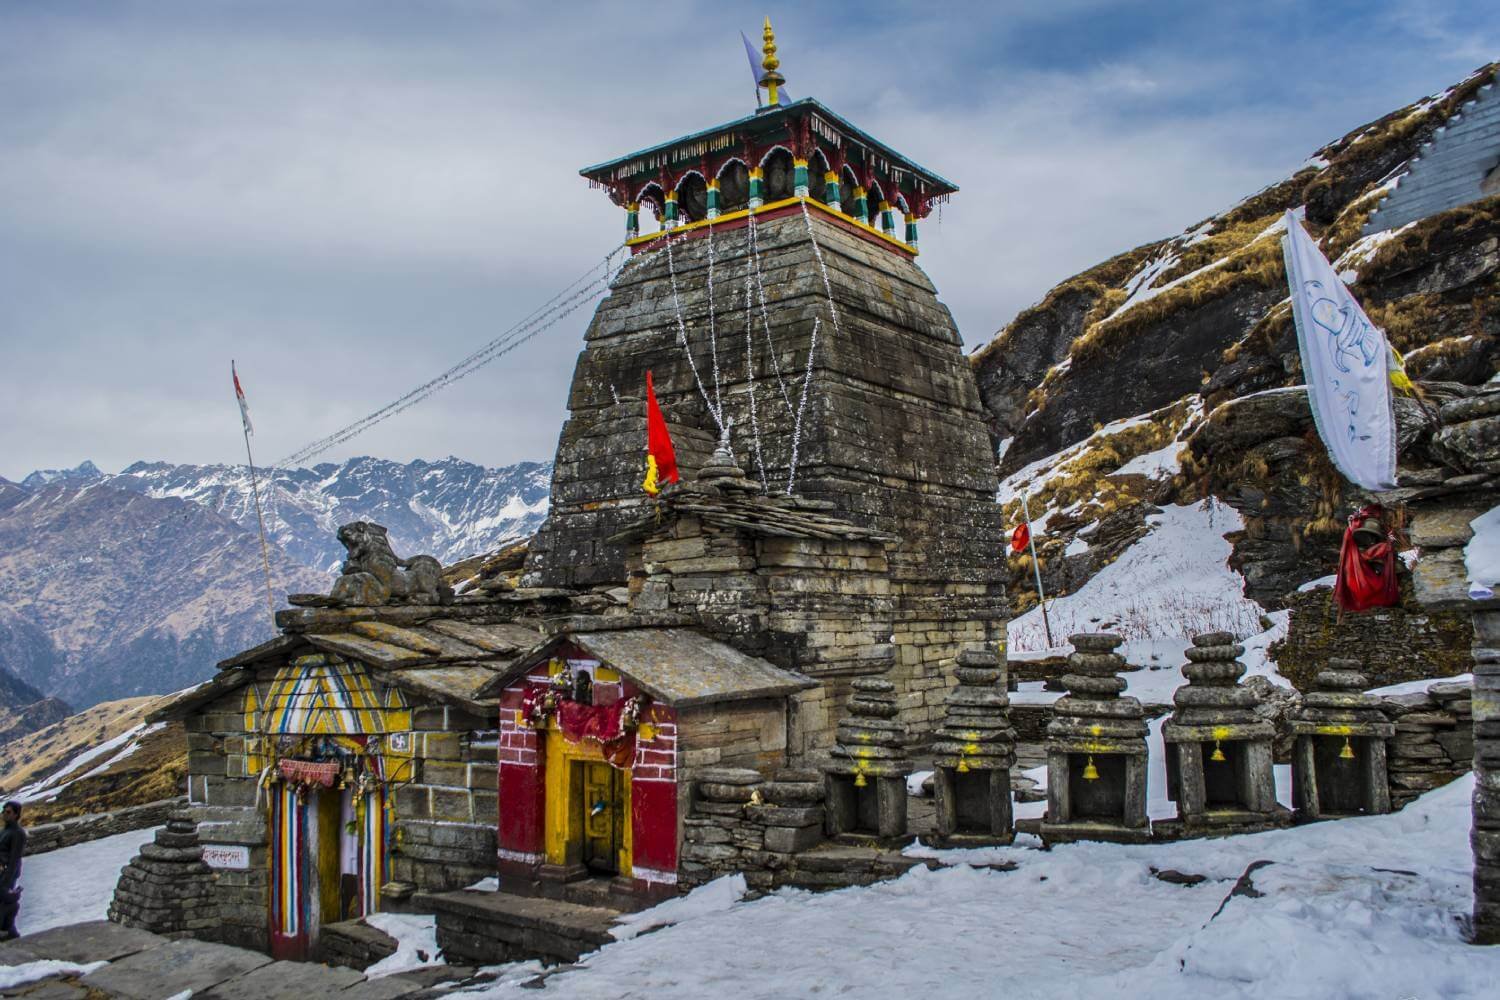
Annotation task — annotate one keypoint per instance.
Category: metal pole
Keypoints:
(265, 556)
(1036, 567)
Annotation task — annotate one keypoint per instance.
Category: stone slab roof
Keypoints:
(752, 513)
(678, 667)
(422, 651)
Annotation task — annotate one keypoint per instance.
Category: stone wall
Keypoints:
(81, 829)
(743, 823)
(1434, 740)
(1402, 643)
(892, 437)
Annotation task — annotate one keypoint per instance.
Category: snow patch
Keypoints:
(1320, 582)
(416, 942)
(1482, 554)
(711, 898)
(12, 976)
(75, 884)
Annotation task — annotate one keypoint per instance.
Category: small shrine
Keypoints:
(1339, 765)
(1220, 768)
(974, 751)
(345, 764)
(597, 732)
(866, 776)
(1096, 750)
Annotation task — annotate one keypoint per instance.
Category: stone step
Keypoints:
(354, 944)
(488, 928)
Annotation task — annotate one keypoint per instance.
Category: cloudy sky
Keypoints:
(348, 197)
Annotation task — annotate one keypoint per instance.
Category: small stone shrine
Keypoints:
(167, 888)
(866, 779)
(974, 752)
(1338, 767)
(1096, 751)
(1219, 754)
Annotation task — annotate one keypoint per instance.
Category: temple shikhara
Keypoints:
(731, 657)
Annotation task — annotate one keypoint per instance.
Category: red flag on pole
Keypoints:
(661, 459)
(1020, 538)
(239, 396)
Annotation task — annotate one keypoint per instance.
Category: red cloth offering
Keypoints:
(1020, 538)
(1366, 576)
(600, 723)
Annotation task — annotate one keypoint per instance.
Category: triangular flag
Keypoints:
(1346, 361)
(661, 459)
(1020, 538)
(239, 396)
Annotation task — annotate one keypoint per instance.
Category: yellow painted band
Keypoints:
(756, 173)
(745, 212)
(859, 192)
(830, 178)
(799, 163)
(713, 185)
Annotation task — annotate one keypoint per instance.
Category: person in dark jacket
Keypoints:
(12, 847)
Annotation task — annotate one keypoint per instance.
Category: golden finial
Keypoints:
(770, 79)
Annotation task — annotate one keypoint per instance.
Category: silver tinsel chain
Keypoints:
(765, 316)
(812, 347)
(683, 340)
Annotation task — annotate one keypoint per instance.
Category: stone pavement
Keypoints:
(145, 966)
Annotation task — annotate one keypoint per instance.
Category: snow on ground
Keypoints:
(715, 897)
(416, 942)
(12, 976)
(1368, 907)
(1482, 554)
(1417, 687)
(1173, 583)
(75, 884)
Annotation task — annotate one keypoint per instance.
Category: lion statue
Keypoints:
(372, 574)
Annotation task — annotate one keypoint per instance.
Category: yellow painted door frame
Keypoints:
(563, 831)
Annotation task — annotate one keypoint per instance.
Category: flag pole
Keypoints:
(265, 555)
(1036, 567)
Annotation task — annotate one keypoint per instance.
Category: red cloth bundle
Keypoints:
(1366, 576)
(600, 723)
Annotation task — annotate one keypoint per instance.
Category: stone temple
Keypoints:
(781, 305)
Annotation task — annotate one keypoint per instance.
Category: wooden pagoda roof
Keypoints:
(690, 150)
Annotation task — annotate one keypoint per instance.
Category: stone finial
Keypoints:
(976, 733)
(870, 741)
(1213, 704)
(1094, 710)
(373, 575)
(722, 471)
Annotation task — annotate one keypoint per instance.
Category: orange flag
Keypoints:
(661, 459)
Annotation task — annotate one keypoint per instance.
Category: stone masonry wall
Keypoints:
(1434, 740)
(1403, 643)
(81, 829)
(892, 436)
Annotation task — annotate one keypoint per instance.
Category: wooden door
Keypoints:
(602, 816)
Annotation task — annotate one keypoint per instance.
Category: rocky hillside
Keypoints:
(24, 709)
(110, 593)
(1164, 375)
(103, 758)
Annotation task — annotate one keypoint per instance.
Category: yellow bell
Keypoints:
(1090, 772)
(1218, 755)
(963, 765)
(1348, 752)
(859, 779)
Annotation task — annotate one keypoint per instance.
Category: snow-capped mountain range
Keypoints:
(449, 508)
(138, 582)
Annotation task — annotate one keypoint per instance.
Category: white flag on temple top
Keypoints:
(239, 396)
(1345, 359)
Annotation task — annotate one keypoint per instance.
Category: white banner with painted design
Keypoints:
(1345, 360)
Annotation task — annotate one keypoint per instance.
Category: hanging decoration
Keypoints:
(1367, 564)
(612, 726)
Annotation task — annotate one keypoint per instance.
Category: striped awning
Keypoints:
(322, 695)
